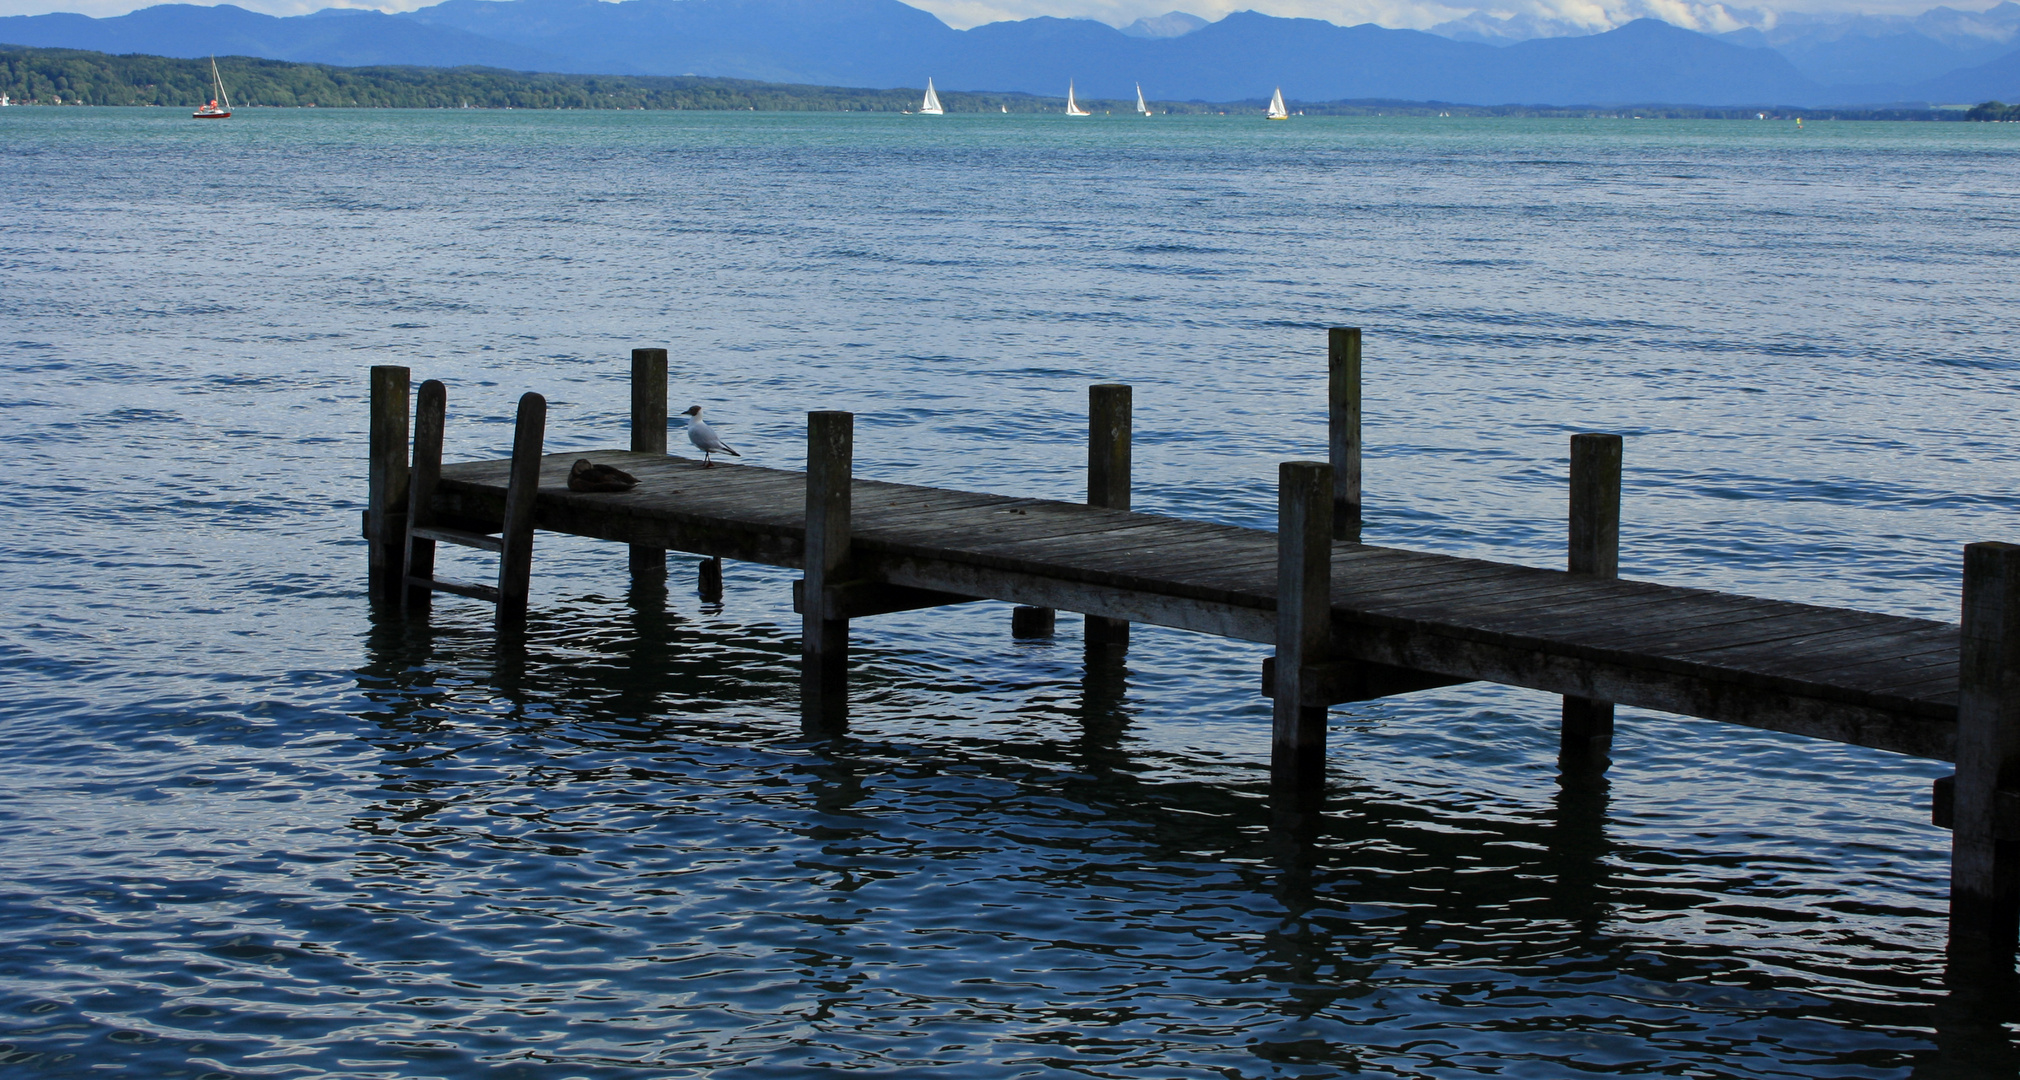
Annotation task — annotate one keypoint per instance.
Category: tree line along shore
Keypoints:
(35, 76)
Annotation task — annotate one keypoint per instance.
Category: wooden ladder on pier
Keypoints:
(512, 540)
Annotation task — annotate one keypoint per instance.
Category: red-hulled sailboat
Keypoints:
(214, 111)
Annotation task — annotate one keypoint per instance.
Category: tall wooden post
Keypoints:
(708, 580)
(386, 497)
(515, 560)
(824, 633)
(1109, 418)
(648, 436)
(431, 409)
(1985, 870)
(1343, 428)
(1304, 624)
(1585, 741)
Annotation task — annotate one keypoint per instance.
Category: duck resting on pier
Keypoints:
(704, 438)
(585, 476)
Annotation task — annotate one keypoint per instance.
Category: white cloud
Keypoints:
(1556, 16)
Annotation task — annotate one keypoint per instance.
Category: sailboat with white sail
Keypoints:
(215, 111)
(1140, 106)
(1073, 109)
(932, 105)
(1277, 110)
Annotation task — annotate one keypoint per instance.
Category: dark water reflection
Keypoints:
(251, 829)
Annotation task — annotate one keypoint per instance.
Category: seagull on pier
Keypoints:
(704, 438)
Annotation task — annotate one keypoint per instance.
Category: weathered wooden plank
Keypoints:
(1464, 601)
(1135, 545)
(1555, 633)
(1796, 657)
(1018, 587)
(992, 531)
(861, 599)
(1777, 705)
(462, 537)
(1608, 619)
(486, 593)
(1459, 637)
(1757, 638)
(1679, 621)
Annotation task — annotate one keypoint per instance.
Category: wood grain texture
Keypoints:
(1857, 677)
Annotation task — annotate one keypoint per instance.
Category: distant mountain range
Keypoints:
(884, 43)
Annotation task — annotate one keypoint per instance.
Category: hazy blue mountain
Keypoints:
(1171, 24)
(1997, 80)
(1902, 49)
(185, 30)
(828, 42)
(1246, 55)
(1662, 63)
(884, 43)
(1487, 29)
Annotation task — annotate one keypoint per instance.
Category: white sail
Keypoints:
(932, 105)
(219, 106)
(1140, 106)
(1277, 110)
(1073, 109)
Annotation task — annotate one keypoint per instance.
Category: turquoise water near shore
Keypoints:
(251, 830)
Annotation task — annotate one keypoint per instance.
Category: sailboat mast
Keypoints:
(217, 81)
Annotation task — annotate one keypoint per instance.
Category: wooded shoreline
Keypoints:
(35, 76)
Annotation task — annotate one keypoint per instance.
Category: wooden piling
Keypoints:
(1984, 868)
(386, 483)
(1585, 741)
(1343, 428)
(431, 407)
(1305, 505)
(1109, 420)
(824, 630)
(708, 580)
(648, 436)
(515, 562)
(1033, 622)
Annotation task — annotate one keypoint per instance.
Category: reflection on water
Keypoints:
(255, 830)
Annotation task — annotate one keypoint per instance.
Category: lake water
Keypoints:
(251, 831)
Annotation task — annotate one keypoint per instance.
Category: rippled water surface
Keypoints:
(251, 830)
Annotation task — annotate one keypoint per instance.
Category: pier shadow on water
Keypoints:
(1007, 878)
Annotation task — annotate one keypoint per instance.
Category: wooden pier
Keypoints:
(1349, 621)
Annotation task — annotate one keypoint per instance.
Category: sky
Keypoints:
(1568, 15)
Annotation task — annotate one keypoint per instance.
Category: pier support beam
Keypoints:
(1304, 626)
(1032, 622)
(1585, 742)
(515, 559)
(1343, 428)
(431, 413)
(386, 473)
(1984, 868)
(648, 436)
(1109, 419)
(824, 630)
